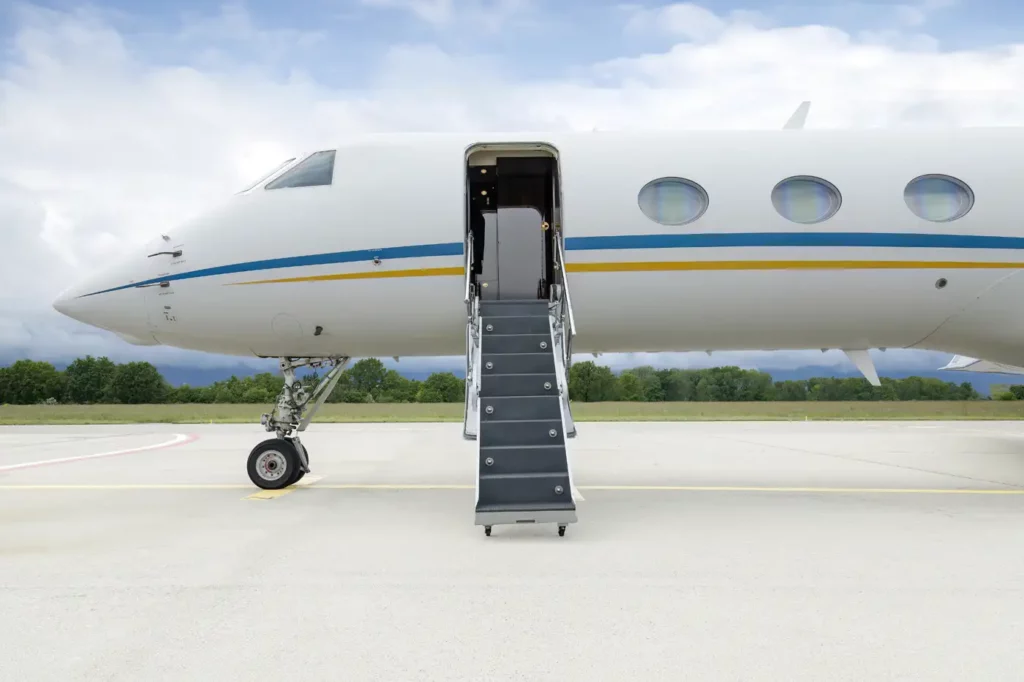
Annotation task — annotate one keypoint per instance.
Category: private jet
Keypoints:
(521, 250)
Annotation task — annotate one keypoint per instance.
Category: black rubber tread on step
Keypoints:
(493, 385)
(519, 409)
(551, 489)
(517, 363)
(523, 460)
(498, 344)
(517, 433)
(538, 324)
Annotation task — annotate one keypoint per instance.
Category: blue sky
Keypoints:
(529, 38)
(182, 103)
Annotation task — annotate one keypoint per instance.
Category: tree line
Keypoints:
(92, 380)
(590, 382)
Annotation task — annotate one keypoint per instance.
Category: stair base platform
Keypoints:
(509, 516)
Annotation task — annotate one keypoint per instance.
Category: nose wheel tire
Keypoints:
(274, 464)
(299, 473)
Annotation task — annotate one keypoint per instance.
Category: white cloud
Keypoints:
(489, 15)
(432, 11)
(917, 14)
(688, 21)
(101, 146)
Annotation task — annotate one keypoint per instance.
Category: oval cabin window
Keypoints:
(806, 200)
(673, 201)
(938, 198)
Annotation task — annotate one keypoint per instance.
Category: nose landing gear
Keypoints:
(283, 461)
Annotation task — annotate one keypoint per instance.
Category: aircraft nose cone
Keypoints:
(66, 304)
(74, 302)
(99, 302)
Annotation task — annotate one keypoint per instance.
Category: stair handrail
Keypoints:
(472, 301)
(565, 302)
(471, 414)
(469, 272)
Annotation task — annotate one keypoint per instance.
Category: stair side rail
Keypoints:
(471, 413)
(563, 331)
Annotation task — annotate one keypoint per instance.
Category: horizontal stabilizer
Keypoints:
(962, 363)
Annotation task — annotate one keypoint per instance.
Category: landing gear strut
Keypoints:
(283, 461)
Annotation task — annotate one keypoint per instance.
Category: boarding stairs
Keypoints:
(517, 409)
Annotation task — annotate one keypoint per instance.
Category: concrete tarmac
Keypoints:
(718, 551)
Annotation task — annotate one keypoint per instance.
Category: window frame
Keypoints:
(267, 185)
(692, 184)
(836, 196)
(266, 177)
(955, 181)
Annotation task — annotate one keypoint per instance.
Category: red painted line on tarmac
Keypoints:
(179, 439)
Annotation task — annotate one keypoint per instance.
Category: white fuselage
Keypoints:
(262, 272)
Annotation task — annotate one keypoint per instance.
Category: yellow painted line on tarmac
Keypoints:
(269, 494)
(781, 489)
(306, 482)
(312, 485)
(396, 486)
(126, 486)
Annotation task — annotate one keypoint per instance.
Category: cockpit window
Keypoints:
(315, 170)
(263, 177)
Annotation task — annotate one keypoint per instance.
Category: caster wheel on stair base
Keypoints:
(561, 531)
(487, 531)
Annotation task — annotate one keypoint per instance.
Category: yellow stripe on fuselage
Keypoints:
(372, 274)
(668, 266)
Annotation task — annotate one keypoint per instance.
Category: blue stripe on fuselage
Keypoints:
(415, 251)
(622, 242)
(739, 239)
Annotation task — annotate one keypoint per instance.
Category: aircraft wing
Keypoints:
(962, 363)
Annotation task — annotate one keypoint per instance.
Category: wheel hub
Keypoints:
(271, 465)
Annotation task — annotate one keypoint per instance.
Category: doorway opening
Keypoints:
(514, 217)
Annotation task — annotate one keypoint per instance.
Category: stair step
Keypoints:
(517, 363)
(528, 304)
(537, 324)
(518, 490)
(517, 433)
(524, 507)
(516, 343)
(518, 385)
(514, 308)
(529, 459)
(519, 408)
(519, 475)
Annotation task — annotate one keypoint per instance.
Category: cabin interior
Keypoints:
(513, 209)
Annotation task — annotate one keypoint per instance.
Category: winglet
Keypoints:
(799, 117)
(865, 364)
(960, 363)
(963, 363)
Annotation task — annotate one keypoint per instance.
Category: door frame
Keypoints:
(523, 148)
